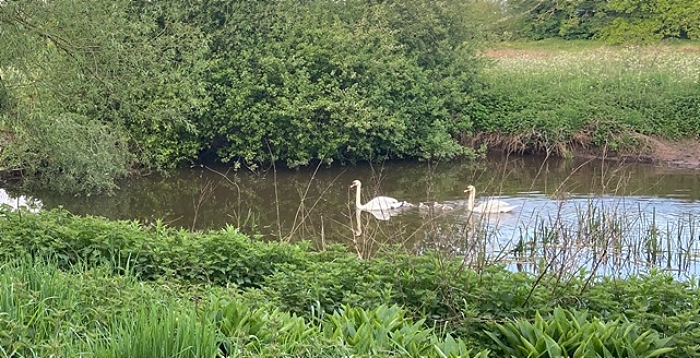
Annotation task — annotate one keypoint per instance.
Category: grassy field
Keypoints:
(563, 95)
(559, 45)
(679, 61)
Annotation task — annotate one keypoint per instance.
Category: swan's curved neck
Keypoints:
(358, 203)
(470, 201)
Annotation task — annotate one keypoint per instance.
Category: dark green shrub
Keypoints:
(348, 81)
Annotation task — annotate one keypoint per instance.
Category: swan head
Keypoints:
(355, 183)
(470, 189)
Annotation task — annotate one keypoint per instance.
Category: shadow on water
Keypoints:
(606, 217)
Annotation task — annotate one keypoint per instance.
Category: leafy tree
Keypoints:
(100, 86)
(162, 83)
(651, 20)
(613, 20)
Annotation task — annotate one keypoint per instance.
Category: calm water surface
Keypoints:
(607, 217)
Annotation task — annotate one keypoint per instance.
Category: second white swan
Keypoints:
(489, 207)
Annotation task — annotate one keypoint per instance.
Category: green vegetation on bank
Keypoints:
(129, 85)
(166, 83)
(219, 292)
(88, 312)
(610, 98)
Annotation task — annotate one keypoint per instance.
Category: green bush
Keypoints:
(96, 95)
(299, 280)
(161, 84)
(656, 301)
(381, 331)
(340, 82)
(70, 153)
(88, 312)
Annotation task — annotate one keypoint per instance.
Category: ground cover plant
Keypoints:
(88, 312)
(293, 300)
(571, 334)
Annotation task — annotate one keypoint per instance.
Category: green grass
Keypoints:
(547, 44)
(556, 94)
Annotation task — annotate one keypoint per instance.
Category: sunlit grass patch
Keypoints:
(600, 63)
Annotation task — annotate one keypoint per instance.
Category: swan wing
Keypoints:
(383, 203)
(494, 206)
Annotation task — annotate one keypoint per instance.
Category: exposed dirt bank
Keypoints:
(662, 152)
(683, 153)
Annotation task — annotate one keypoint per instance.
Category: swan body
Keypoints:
(489, 207)
(379, 203)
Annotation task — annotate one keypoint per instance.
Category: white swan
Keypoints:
(380, 203)
(489, 207)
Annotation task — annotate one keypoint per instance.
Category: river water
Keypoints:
(605, 217)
